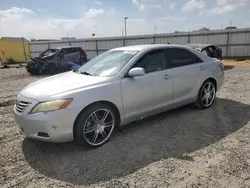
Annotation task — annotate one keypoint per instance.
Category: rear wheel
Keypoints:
(206, 95)
(95, 125)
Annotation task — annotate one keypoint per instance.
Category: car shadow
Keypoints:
(228, 67)
(170, 134)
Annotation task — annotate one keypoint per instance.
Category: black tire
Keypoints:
(84, 121)
(200, 101)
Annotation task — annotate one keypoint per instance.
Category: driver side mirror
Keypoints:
(137, 71)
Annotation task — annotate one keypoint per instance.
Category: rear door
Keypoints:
(187, 71)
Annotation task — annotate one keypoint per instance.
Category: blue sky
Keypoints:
(80, 18)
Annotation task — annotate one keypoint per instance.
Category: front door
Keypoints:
(154, 90)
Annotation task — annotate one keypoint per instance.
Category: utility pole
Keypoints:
(154, 30)
(125, 25)
(154, 34)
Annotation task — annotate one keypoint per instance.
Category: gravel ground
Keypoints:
(185, 147)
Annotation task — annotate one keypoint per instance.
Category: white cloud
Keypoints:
(98, 2)
(14, 13)
(145, 5)
(224, 6)
(193, 5)
(93, 13)
(15, 10)
(21, 22)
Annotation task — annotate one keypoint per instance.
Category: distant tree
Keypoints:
(204, 29)
(231, 27)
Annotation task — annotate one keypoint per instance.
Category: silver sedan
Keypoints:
(115, 88)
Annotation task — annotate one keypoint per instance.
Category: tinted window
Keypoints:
(73, 50)
(152, 61)
(181, 57)
(65, 51)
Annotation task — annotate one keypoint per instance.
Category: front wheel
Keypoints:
(95, 125)
(206, 95)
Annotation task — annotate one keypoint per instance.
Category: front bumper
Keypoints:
(54, 126)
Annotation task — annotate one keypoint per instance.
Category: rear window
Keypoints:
(181, 57)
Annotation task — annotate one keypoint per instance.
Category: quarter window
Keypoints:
(181, 57)
(152, 61)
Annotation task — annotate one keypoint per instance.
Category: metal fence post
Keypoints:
(96, 47)
(189, 37)
(123, 40)
(227, 45)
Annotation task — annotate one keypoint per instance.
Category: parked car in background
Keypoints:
(117, 87)
(208, 49)
(56, 60)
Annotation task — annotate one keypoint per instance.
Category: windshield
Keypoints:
(49, 52)
(107, 64)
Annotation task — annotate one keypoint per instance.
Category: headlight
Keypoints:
(51, 105)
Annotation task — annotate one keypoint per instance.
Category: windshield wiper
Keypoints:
(86, 73)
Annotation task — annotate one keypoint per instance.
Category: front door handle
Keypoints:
(201, 68)
(166, 77)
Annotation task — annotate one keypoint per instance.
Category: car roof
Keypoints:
(149, 47)
(64, 47)
(201, 46)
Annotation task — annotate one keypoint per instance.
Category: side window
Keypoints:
(152, 61)
(181, 57)
(64, 51)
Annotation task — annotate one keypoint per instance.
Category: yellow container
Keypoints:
(15, 48)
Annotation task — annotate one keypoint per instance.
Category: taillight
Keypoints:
(221, 66)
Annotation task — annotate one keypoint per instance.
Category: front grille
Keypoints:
(21, 106)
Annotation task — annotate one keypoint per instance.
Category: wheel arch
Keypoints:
(212, 80)
(112, 105)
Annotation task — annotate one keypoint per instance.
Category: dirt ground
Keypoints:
(185, 147)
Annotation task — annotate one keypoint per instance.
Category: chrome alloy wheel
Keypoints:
(207, 94)
(98, 126)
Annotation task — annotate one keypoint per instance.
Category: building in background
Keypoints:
(14, 48)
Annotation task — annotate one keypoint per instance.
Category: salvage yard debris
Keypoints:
(53, 61)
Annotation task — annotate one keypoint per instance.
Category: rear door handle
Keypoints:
(201, 68)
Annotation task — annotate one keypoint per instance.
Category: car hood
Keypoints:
(67, 82)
